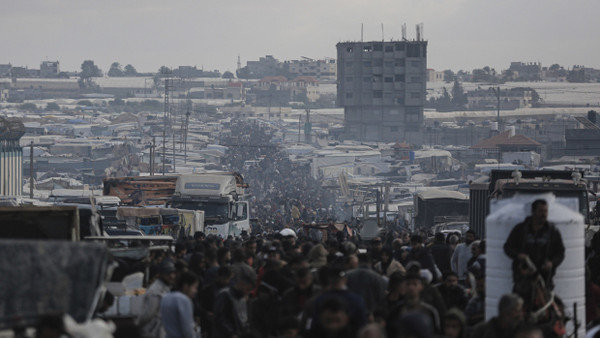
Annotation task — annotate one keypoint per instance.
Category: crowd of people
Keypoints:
(281, 281)
(292, 286)
(278, 185)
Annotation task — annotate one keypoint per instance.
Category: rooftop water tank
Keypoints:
(570, 276)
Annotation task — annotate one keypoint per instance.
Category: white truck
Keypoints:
(220, 196)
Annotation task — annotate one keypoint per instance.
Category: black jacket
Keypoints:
(544, 245)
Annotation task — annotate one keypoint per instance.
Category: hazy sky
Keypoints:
(462, 34)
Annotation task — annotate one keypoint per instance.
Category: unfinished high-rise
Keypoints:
(381, 86)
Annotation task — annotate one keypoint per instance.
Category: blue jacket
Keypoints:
(177, 314)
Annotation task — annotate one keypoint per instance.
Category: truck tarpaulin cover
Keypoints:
(49, 278)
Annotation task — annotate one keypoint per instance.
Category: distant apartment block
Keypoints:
(23, 72)
(531, 71)
(584, 74)
(49, 69)
(232, 91)
(11, 157)
(319, 69)
(5, 70)
(279, 91)
(382, 87)
(434, 76)
(187, 72)
(265, 66)
(510, 99)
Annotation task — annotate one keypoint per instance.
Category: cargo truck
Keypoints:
(220, 196)
(570, 187)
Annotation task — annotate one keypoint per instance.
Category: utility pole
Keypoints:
(31, 170)
(299, 126)
(378, 206)
(498, 118)
(165, 125)
(187, 121)
(174, 152)
(307, 127)
(152, 156)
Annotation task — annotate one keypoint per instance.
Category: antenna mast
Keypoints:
(361, 32)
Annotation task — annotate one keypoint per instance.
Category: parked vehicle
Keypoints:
(219, 196)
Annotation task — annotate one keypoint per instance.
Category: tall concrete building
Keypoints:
(49, 69)
(11, 157)
(381, 86)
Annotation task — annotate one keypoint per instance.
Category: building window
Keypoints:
(349, 95)
(389, 63)
(367, 63)
(415, 79)
(366, 79)
(394, 129)
(413, 110)
(349, 50)
(348, 64)
(377, 78)
(399, 46)
(378, 47)
(377, 94)
(378, 63)
(389, 49)
(415, 95)
(414, 50)
(388, 79)
(349, 79)
(412, 118)
(415, 64)
(367, 49)
(399, 78)
(399, 63)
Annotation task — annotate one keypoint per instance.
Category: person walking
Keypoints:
(177, 310)
(149, 320)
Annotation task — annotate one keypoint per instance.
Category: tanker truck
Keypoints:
(220, 196)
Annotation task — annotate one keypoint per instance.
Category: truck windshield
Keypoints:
(211, 209)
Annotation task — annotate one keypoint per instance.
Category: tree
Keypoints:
(164, 70)
(228, 75)
(115, 70)
(28, 107)
(88, 70)
(130, 70)
(244, 73)
(555, 67)
(52, 106)
(449, 75)
(459, 99)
